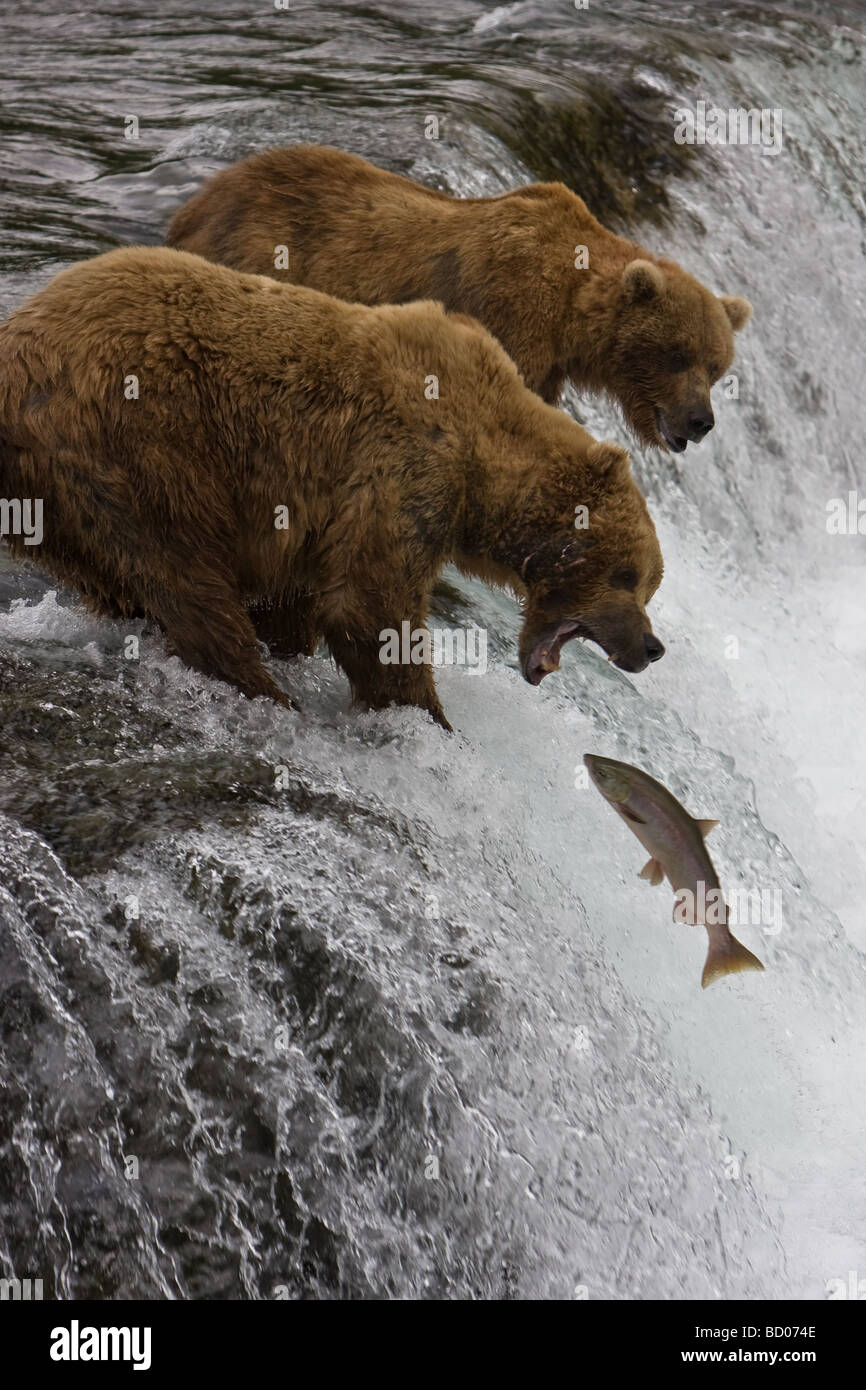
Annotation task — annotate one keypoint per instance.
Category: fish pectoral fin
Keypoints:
(705, 826)
(728, 961)
(654, 871)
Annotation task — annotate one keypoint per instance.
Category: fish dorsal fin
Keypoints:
(654, 871)
(705, 826)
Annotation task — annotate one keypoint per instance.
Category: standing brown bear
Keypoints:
(203, 440)
(567, 299)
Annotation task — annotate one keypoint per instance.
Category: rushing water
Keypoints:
(400, 1020)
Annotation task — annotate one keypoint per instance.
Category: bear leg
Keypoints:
(208, 627)
(288, 625)
(378, 685)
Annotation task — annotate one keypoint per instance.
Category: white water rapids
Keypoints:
(412, 1026)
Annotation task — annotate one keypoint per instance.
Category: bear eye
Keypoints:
(678, 360)
(625, 578)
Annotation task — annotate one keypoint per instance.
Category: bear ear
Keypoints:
(609, 460)
(642, 280)
(738, 310)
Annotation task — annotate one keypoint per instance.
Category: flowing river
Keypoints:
(335, 1005)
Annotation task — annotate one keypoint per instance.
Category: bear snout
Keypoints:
(700, 423)
(635, 653)
(680, 427)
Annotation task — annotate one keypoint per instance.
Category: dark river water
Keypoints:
(334, 1006)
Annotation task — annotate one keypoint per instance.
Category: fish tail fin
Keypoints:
(728, 960)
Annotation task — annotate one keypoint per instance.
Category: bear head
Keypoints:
(669, 340)
(593, 566)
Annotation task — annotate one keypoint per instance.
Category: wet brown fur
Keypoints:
(255, 396)
(367, 235)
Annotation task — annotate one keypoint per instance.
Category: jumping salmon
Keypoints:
(675, 844)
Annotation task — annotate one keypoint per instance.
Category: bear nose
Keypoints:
(654, 648)
(700, 423)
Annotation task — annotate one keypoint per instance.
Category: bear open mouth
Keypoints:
(675, 442)
(544, 656)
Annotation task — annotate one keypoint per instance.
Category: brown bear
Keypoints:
(567, 299)
(204, 440)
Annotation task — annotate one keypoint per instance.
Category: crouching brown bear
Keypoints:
(239, 459)
(567, 299)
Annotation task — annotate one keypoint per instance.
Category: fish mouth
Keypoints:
(675, 442)
(544, 656)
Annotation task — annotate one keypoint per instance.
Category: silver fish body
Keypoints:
(674, 841)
